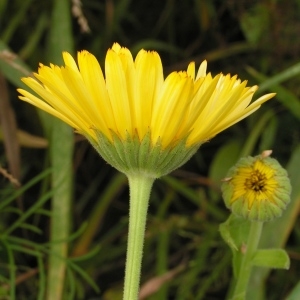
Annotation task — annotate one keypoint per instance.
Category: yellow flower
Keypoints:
(257, 188)
(134, 101)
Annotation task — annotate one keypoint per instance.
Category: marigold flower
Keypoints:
(153, 124)
(257, 188)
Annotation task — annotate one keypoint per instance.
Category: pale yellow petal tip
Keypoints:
(27, 80)
(156, 57)
(23, 98)
(253, 88)
(271, 95)
(265, 98)
(202, 70)
(69, 60)
(116, 47)
(20, 90)
(66, 55)
(143, 55)
(84, 53)
(191, 70)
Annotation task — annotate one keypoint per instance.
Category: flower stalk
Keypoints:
(258, 190)
(140, 188)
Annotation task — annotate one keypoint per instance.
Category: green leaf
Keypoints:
(272, 258)
(235, 233)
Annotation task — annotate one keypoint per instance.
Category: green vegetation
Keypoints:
(63, 229)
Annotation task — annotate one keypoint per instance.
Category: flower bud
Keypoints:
(257, 188)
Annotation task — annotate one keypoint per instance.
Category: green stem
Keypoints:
(61, 158)
(246, 265)
(140, 188)
(61, 154)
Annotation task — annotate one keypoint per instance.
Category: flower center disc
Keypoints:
(256, 181)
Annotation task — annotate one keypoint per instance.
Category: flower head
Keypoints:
(257, 188)
(134, 104)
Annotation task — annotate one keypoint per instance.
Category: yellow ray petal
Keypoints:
(202, 70)
(147, 90)
(94, 81)
(117, 90)
(171, 107)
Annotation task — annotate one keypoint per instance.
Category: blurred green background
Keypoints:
(63, 179)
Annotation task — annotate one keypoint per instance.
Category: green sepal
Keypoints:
(144, 150)
(156, 156)
(271, 258)
(180, 153)
(133, 155)
(108, 153)
(132, 151)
